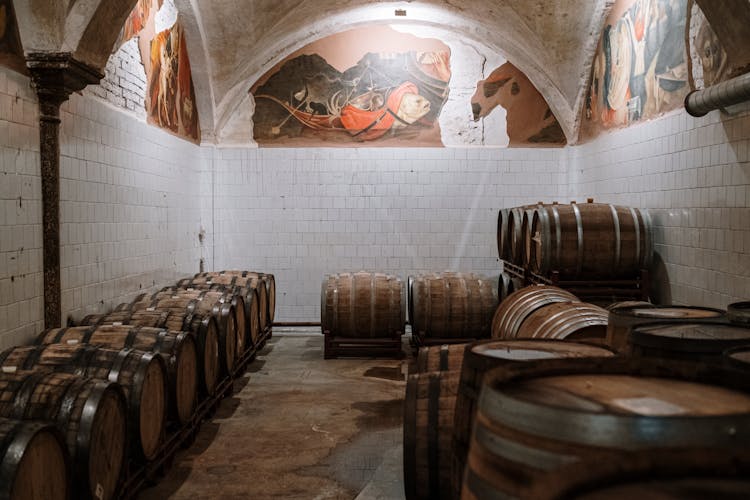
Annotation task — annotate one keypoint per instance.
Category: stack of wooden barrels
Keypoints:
(123, 390)
(667, 390)
(604, 250)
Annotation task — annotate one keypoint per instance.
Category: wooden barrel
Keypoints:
(738, 357)
(689, 341)
(652, 474)
(519, 305)
(151, 319)
(222, 313)
(515, 233)
(440, 358)
(590, 240)
(270, 282)
(503, 243)
(453, 305)
(428, 427)
(626, 304)
(483, 356)
(409, 299)
(566, 320)
(178, 349)
(505, 286)
(90, 414)
(142, 376)
(248, 281)
(536, 418)
(739, 313)
(34, 464)
(623, 319)
(362, 305)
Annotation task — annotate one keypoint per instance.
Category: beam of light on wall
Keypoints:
(466, 233)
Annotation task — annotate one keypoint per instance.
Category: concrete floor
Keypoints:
(298, 427)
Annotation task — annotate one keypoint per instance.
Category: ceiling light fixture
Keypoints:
(400, 12)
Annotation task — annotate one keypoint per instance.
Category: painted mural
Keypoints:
(529, 118)
(170, 94)
(370, 85)
(640, 68)
(709, 61)
(11, 52)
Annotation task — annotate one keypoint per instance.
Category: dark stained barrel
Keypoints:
(34, 464)
(515, 236)
(270, 282)
(534, 419)
(428, 430)
(739, 313)
(519, 305)
(688, 341)
(440, 358)
(251, 281)
(566, 320)
(142, 376)
(362, 305)
(178, 349)
(590, 240)
(453, 305)
(506, 284)
(483, 356)
(90, 414)
(738, 357)
(623, 319)
(503, 243)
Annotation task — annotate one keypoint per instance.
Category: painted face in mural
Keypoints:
(412, 108)
(712, 55)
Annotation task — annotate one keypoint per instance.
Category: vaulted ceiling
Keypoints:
(234, 42)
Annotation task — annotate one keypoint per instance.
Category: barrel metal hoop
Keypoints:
(33, 358)
(579, 232)
(86, 424)
(114, 372)
(23, 395)
(637, 226)
(160, 338)
(558, 234)
(618, 243)
(59, 336)
(130, 338)
(546, 233)
(444, 358)
(88, 334)
(549, 320)
(433, 433)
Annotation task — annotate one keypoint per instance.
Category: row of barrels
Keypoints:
(114, 385)
(579, 241)
(538, 418)
(446, 305)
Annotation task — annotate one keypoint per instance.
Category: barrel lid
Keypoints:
(739, 312)
(526, 350)
(671, 312)
(739, 356)
(690, 337)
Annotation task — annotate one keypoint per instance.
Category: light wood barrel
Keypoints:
(519, 305)
(688, 341)
(34, 464)
(739, 313)
(503, 243)
(654, 475)
(270, 282)
(515, 233)
(151, 319)
(90, 414)
(223, 314)
(483, 356)
(453, 305)
(536, 418)
(566, 320)
(142, 376)
(179, 350)
(590, 240)
(250, 280)
(440, 358)
(362, 305)
(428, 427)
(623, 319)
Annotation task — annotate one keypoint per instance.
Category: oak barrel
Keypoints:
(590, 240)
(428, 429)
(453, 305)
(689, 341)
(178, 349)
(34, 463)
(738, 357)
(503, 243)
(440, 358)
(362, 305)
(739, 312)
(515, 232)
(506, 285)
(90, 414)
(142, 376)
(538, 417)
(234, 281)
(565, 320)
(483, 356)
(270, 282)
(514, 310)
(151, 319)
(623, 319)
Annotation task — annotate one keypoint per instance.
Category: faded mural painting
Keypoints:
(529, 118)
(170, 94)
(640, 68)
(710, 63)
(370, 85)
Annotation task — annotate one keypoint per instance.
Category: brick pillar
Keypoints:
(55, 76)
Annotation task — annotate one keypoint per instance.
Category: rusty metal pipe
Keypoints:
(700, 102)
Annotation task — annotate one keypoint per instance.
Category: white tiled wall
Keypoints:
(302, 213)
(695, 176)
(131, 200)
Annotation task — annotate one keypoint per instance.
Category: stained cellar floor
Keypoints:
(298, 427)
